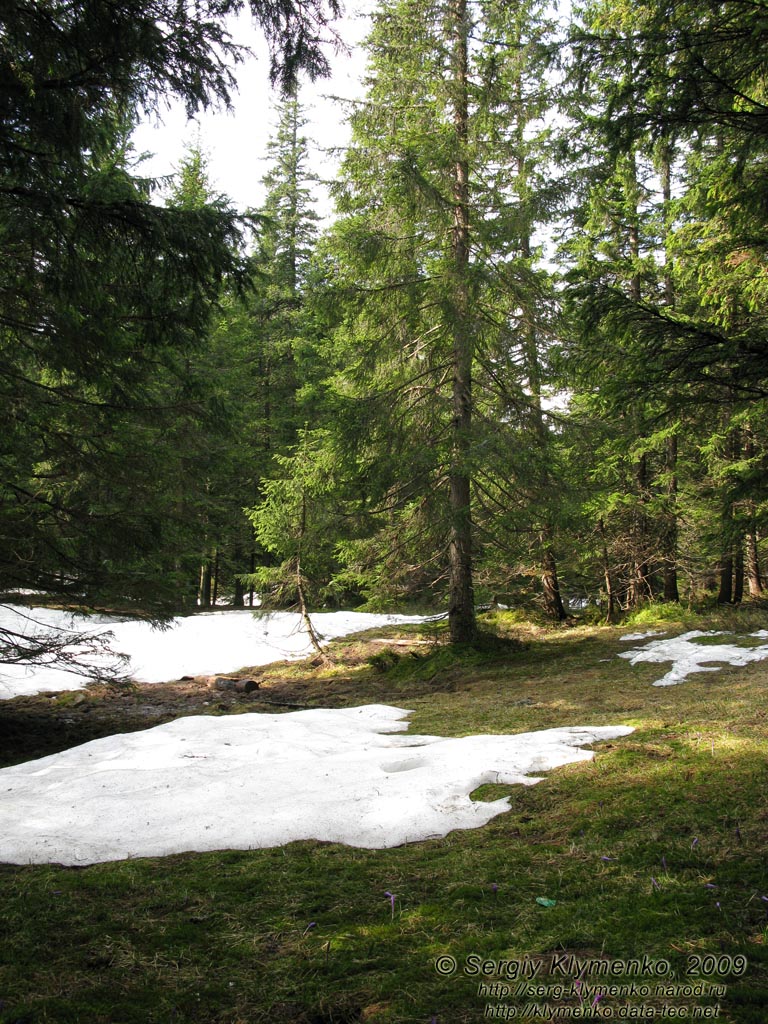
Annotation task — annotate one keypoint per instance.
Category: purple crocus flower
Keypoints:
(391, 901)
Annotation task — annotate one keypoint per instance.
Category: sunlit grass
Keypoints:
(656, 847)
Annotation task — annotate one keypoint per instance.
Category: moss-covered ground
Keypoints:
(634, 886)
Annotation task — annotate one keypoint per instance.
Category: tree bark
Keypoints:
(633, 228)
(665, 173)
(754, 575)
(639, 584)
(731, 562)
(752, 567)
(314, 639)
(738, 574)
(610, 593)
(461, 609)
(639, 588)
(204, 592)
(553, 601)
(725, 593)
(669, 552)
(215, 590)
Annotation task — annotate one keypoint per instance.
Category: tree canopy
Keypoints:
(103, 291)
(525, 361)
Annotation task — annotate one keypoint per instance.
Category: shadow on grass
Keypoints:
(656, 848)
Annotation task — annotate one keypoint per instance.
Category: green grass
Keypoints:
(655, 848)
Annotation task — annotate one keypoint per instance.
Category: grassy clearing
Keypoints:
(657, 849)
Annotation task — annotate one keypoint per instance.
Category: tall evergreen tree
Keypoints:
(433, 255)
(277, 326)
(680, 88)
(250, 370)
(103, 293)
(282, 262)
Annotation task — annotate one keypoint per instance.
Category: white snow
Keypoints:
(249, 781)
(641, 636)
(200, 644)
(688, 657)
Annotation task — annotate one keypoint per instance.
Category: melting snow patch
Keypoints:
(249, 781)
(641, 636)
(688, 657)
(200, 644)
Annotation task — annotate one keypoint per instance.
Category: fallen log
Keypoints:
(233, 685)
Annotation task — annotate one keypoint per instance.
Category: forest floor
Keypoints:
(656, 849)
(352, 672)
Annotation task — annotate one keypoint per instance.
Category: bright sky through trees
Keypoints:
(235, 142)
(375, 394)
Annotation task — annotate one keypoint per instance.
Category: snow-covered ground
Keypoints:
(255, 780)
(199, 644)
(688, 657)
(224, 641)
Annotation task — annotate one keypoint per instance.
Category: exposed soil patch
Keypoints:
(351, 673)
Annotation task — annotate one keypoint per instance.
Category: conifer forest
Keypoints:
(525, 361)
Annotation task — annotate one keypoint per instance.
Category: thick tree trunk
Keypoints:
(725, 593)
(204, 592)
(640, 588)
(633, 229)
(461, 610)
(553, 601)
(752, 568)
(754, 575)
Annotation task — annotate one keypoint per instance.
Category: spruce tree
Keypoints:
(677, 332)
(99, 285)
(278, 327)
(433, 258)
